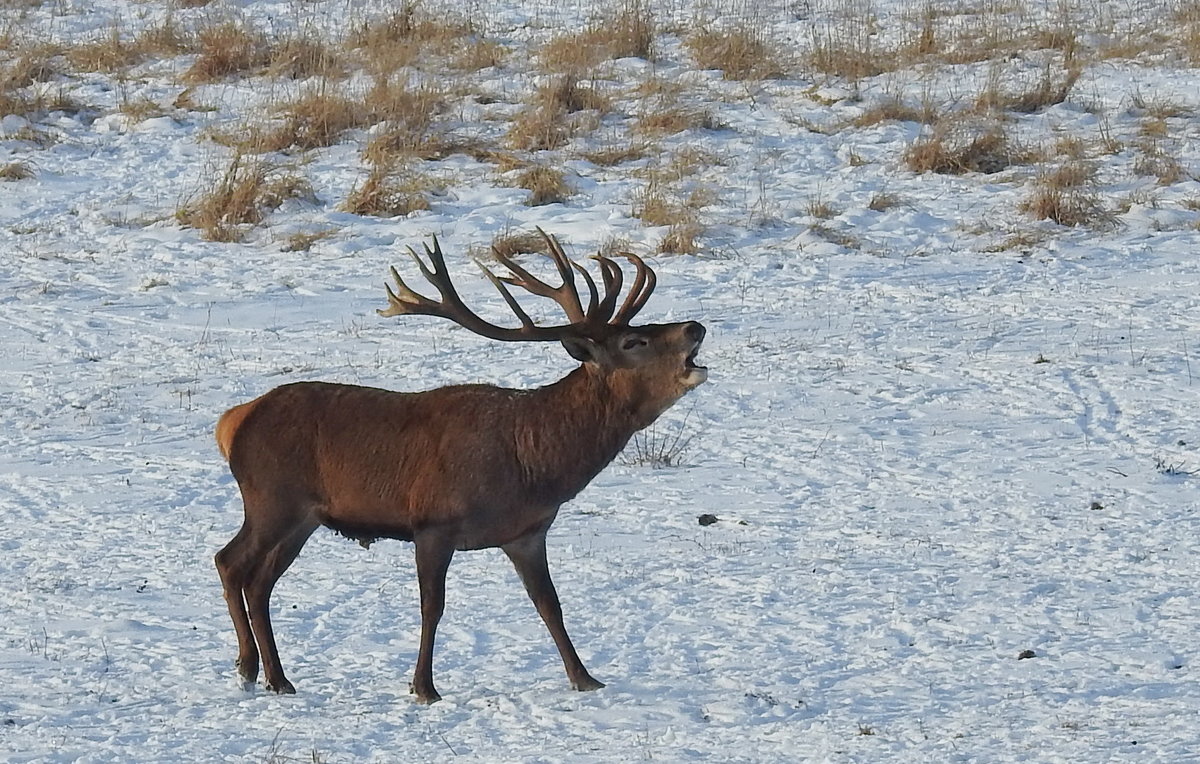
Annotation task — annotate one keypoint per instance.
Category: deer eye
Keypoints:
(633, 341)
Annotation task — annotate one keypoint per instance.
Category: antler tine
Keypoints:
(613, 278)
(592, 315)
(405, 301)
(564, 269)
(566, 295)
(515, 306)
(643, 285)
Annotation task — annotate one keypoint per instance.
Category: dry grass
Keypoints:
(302, 241)
(956, 145)
(539, 129)
(109, 53)
(683, 238)
(847, 45)
(1187, 17)
(668, 116)
(612, 155)
(655, 205)
(741, 52)
(226, 49)
(1070, 174)
(14, 171)
(141, 108)
(388, 191)
(566, 94)
(411, 35)
(1051, 88)
(821, 209)
(304, 55)
(1154, 161)
(509, 244)
(625, 29)
(1066, 206)
(546, 185)
(241, 198)
(318, 119)
(882, 201)
(557, 111)
(894, 109)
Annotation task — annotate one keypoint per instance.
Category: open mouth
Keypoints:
(694, 373)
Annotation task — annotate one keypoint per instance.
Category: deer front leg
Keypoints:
(528, 555)
(433, 560)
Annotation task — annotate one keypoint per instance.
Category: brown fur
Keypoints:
(228, 424)
(462, 467)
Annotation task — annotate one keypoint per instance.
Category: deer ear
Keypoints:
(582, 349)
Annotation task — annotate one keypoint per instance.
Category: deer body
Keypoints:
(456, 468)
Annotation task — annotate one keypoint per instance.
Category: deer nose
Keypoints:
(694, 331)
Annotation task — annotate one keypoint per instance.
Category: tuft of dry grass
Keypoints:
(109, 52)
(1048, 91)
(303, 55)
(507, 244)
(846, 45)
(566, 94)
(957, 146)
(667, 116)
(1186, 21)
(821, 209)
(625, 29)
(655, 205)
(1070, 174)
(302, 241)
(390, 192)
(612, 155)
(1154, 161)
(683, 238)
(14, 171)
(881, 201)
(893, 109)
(410, 34)
(318, 119)
(1066, 206)
(227, 48)
(546, 185)
(242, 197)
(740, 51)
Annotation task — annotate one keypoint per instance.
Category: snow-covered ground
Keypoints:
(930, 455)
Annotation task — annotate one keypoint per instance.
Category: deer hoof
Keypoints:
(282, 687)
(586, 684)
(247, 670)
(425, 697)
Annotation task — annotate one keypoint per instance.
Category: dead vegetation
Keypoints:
(13, 171)
(226, 49)
(399, 87)
(242, 196)
(390, 191)
(958, 144)
(1065, 206)
(741, 51)
(622, 29)
(546, 185)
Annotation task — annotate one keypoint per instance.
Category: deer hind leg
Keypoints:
(235, 563)
(434, 553)
(272, 563)
(528, 555)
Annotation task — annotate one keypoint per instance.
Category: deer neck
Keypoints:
(571, 430)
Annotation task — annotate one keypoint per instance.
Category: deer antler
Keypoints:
(596, 320)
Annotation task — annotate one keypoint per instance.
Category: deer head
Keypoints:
(651, 366)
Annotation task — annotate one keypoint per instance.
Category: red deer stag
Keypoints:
(461, 467)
